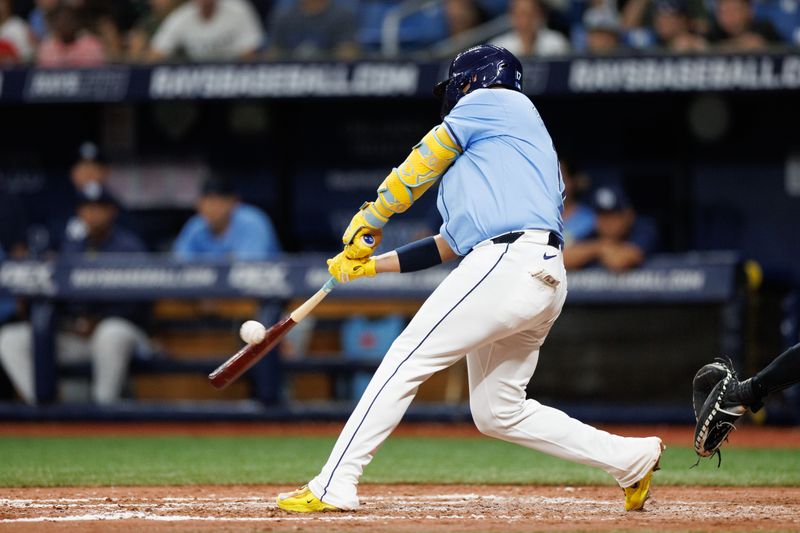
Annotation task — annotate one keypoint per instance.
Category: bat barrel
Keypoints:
(244, 359)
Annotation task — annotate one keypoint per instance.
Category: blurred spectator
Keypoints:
(16, 44)
(671, 24)
(146, 27)
(103, 19)
(311, 29)
(642, 14)
(104, 333)
(735, 28)
(462, 16)
(8, 307)
(603, 30)
(578, 218)
(622, 239)
(39, 16)
(225, 228)
(69, 44)
(209, 30)
(530, 34)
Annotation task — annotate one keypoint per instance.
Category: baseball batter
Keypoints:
(500, 197)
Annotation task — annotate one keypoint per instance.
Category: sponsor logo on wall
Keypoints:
(284, 80)
(98, 85)
(669, 74)
(261, 279)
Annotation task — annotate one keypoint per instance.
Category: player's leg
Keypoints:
(17, 359)
(498, 376)
(479, 301)
(113, 342)
(16, 354)
(782, 372)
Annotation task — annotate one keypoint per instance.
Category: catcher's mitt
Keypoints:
(718, 411)
(705, 380)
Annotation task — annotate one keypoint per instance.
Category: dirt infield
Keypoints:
(400, 508)
(396, 507)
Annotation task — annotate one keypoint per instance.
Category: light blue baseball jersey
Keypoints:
(249, 236)
(507, 179)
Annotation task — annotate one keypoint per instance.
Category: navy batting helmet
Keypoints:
(482, 66)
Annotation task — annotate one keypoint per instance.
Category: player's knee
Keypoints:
(485, 420)
(15, 342)
(113, 335)
(495, 420)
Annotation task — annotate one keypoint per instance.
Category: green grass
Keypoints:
(261, 460)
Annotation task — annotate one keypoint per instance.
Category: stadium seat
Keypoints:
(784, 15)
(417, 30)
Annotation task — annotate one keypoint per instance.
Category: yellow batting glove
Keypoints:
(367, 218)
(364, 243)
(345, 269)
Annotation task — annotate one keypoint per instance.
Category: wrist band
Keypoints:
(419, 255)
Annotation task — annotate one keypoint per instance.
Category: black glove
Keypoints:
(718, 404)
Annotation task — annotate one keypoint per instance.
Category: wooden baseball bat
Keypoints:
(238, 364)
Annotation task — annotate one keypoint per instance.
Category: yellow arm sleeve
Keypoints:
(427, 161)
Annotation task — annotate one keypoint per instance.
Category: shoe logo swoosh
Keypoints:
(546, 257)
(309, 501)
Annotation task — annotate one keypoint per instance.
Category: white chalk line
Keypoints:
(109, 508)
(134, 515)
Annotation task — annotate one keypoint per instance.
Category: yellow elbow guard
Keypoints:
(427, 161)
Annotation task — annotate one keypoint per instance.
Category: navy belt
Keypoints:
(552, 239)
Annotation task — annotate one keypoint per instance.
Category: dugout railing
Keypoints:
(690, 284)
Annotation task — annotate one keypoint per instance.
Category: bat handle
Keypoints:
(330, 285)
(301, 312)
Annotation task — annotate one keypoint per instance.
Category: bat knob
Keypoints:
(368, 239)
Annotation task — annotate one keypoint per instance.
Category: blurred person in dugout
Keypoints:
(735, 28)
(8, 307)
(208, 30)
(226, 228)
(91, 168)
(621, 240)
(313, 29)
(106, 334)
(69, 43)
(530, 35)
(16, 40)
(578, 218)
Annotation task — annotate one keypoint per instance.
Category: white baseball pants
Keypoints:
(496, 307)
(109, 347)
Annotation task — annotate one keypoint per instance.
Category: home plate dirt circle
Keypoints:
(399, 508)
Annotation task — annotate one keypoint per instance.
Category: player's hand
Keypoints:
(345, 269)
(364, 243)
(358, 223)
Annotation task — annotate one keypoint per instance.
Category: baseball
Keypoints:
(252, 332)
